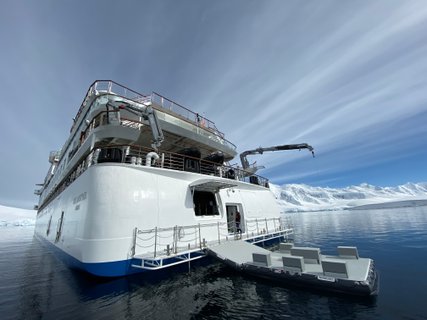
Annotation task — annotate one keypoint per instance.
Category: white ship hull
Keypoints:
(93, 222)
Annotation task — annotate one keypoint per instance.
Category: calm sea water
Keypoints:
(35, 285)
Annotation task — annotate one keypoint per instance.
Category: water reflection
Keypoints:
(377, 226)
(48, 289)
(34, 284)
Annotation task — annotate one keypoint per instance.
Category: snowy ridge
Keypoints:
(15, 217)
(300, 197)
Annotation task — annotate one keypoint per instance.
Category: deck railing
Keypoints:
(118, 89)
(194, 117)
(109, 86)
(164, 242)
(169, 160)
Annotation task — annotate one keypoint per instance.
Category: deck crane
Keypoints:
(251, 170)
(148, 113)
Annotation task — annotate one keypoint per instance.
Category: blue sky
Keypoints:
(348, 77)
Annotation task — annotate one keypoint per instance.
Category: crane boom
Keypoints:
(148, 113)
(261, 150)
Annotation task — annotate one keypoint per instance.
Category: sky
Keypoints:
(347, 77)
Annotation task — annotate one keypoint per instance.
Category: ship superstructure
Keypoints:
(143, 183)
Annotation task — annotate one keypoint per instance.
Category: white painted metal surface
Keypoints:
(90, 210)
(102, 208)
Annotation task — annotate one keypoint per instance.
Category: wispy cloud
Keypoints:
(354, 96)
(346, 77)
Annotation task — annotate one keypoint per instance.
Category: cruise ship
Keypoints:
(144, 183)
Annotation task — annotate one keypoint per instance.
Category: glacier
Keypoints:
(296, 198)
(16, 217)
(301, 197)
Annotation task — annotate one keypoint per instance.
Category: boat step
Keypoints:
(151, 263)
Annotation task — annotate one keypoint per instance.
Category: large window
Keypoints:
(205, 203)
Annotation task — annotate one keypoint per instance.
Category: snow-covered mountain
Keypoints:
(300, 197)
(10, 216)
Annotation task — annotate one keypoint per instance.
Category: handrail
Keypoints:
(175, 161)
(97, 85)
(175, 240)
(188, 114)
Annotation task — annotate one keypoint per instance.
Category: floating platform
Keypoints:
(303, 266)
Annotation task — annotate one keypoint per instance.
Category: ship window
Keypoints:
(205, 203)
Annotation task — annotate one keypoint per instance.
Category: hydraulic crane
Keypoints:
(147, 112)
(260, 150)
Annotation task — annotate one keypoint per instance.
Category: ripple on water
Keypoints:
(34, 284)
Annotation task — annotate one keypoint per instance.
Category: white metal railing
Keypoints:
(210, 129)
(166, 242)
(170, 105)
(109, 86)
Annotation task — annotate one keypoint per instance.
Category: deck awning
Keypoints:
(211, 185)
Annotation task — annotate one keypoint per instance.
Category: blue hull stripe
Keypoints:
(115, 268)
(100, 269)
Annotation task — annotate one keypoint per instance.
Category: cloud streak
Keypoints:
(354, 94)
(346, 77)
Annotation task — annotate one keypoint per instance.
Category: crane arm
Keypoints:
(147, 112)
(260, 150)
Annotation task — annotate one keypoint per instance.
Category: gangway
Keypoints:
(160, 248)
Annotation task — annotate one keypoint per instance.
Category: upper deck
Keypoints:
(176, 121)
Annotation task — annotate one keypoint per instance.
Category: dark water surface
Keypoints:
(35, 285)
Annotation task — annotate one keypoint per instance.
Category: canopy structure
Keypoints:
(211, 185)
